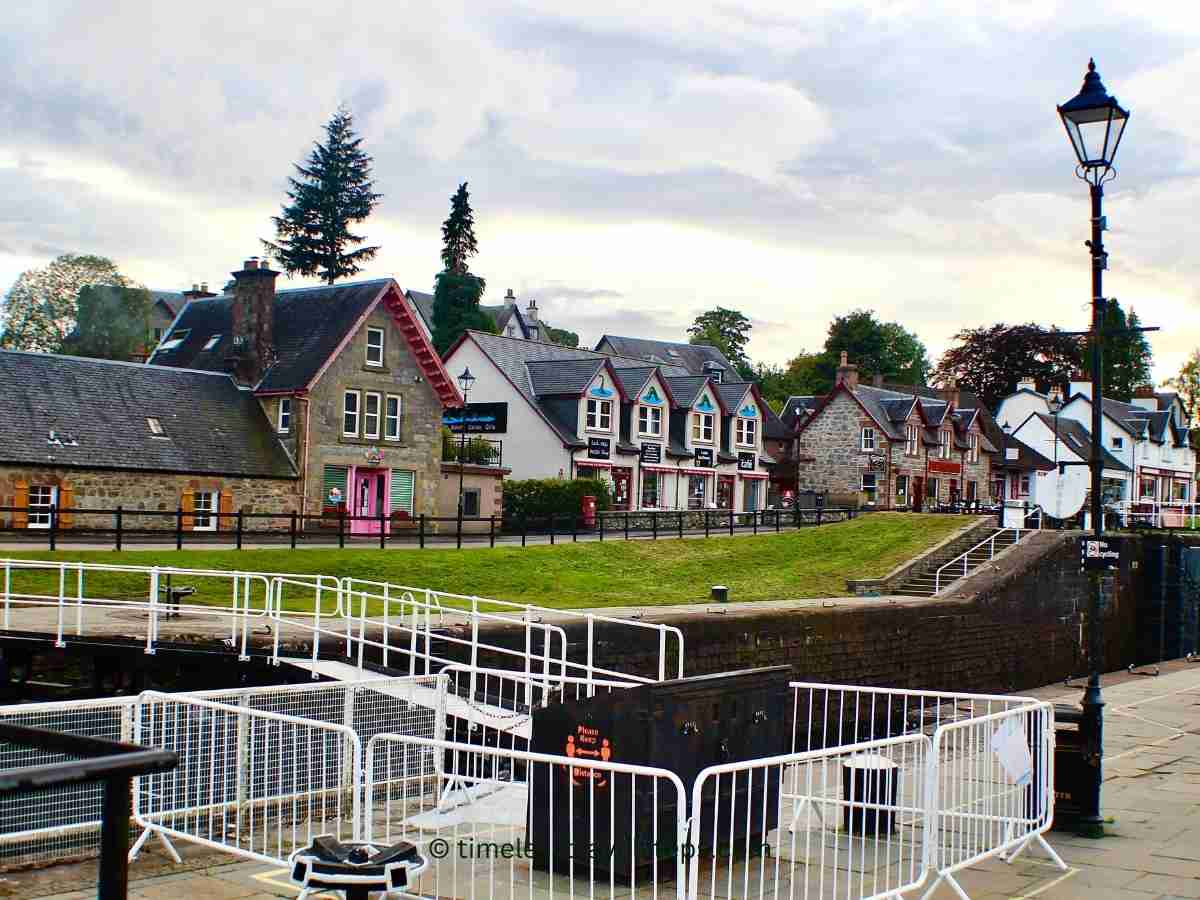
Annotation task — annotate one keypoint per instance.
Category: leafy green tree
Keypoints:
(1187, 385)
(40, 309)
(727, 330)
(333, 191)
(877, 348)
(798, 378)
(992, 359)
(113, 323)
(1127, 357)
(457, 292)
(561, 336)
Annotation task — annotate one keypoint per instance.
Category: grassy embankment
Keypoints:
(813, 562)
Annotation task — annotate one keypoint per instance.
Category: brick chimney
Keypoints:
(847, 373)
(949, 391)
(1080, 384)
(531, 311)
(198, 292)
(510, 299)
(252, 320)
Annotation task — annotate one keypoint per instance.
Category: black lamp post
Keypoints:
(465, 380)
(1095, 123)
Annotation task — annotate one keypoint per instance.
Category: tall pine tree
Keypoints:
(333, 191)
(457, 293)
(1127, 355)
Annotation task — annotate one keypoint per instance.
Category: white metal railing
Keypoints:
(1159, 513)
(963, 559)
(351, 616)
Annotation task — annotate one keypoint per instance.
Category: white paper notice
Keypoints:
(1011, 746)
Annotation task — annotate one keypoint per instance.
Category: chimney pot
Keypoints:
(195, 287)
(252, 263)
(204, 287)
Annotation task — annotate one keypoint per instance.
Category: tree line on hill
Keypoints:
(83, 304)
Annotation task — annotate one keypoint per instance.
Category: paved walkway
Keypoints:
(1151, 797)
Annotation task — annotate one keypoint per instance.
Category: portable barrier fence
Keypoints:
(502, 824)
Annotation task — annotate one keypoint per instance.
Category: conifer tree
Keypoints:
(458, 292)
(333, 191)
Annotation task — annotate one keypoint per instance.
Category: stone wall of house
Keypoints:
(138, 491)
(489, 483)
(832, 442)
(420, 446)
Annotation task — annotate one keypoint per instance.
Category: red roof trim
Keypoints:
(422, 350)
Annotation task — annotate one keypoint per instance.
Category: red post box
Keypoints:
(589, 512)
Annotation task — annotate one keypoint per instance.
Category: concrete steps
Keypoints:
(922, 583)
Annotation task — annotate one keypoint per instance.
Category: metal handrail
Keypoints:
(963, 557)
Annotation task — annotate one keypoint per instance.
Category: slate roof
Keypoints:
(1027, 459)
(97, 410)
(671, 353)
(309, 325)
(1079, 440)
(562, 376)
(795, 407)
(686, 388)
(172, 300)
(424, 305)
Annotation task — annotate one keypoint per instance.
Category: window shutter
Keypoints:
(188, 503)
(225, 521)
(21, 502)
(335, 477)
(66, 500)
(402, 484)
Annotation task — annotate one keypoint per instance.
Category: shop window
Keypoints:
(205, 511)
(752, 493)
(868, 439)
(471, 503)
(972, 492)
(931, 489)
(1146, 491)
(869, 487)
(1179, 491)
(650, 489)
(41, 499)
(374, 346)
(901, 490)
(696, 489)
(599, 415)
(649, 421)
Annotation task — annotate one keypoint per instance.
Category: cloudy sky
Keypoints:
(631, 163)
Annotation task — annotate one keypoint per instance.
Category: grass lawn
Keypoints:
(812, 562)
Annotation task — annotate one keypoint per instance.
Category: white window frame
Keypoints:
(702, 428)
(204, 516)
(391, 424)
(372, 430)
(599, 415)
(867, 438)
(373, 332)
(945, 439)
(973, 451)
(747, 432)
(912, 440)
(40, 519)
(650, 424)
(285, 415)
(1118, 443)
(347, 412)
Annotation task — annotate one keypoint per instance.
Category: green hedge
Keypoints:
(539, 498)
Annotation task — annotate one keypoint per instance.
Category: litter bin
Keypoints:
(355, 869)
(868, 781)
(683, 725)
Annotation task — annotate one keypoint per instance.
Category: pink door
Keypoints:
(368, 501)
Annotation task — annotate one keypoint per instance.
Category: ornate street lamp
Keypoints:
(1095, 124)
(465, 380)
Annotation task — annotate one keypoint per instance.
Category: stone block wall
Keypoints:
(832, 442)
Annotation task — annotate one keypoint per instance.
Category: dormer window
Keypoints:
(746, 432)
(944, 439)
(599, 415)
(533, 332)
(702, 428)
(973, 448)
(650, 421)
(374, 346)
(176, 340)
(212, 342)
(911, 438)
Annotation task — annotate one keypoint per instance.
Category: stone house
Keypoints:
(98, 434)
(892, 448)
(348, 378)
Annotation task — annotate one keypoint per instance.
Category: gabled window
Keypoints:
(374, 346)
(702, 427)
(868, 439)
(912, 439)
(371, 403)
(650, 421)
(391, 418)
(285, 415)
(1118, 443)
(973, 452)
(350, 414)
(746, 432)
(944, 441)
(599, 414)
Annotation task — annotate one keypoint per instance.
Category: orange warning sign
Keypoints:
(587, 743)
